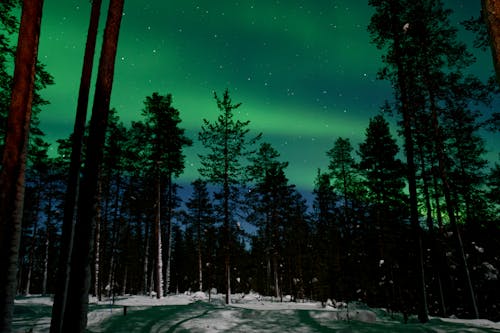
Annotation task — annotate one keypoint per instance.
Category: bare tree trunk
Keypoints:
(146, 259)
(124, 284)
(115, 234)
(159, 259)
(276, 275)
(46, 263)
(75, 318)
(70, 204)
(226, 226)
(169, 233)
(268, 272)
(200, 262)
(151, 278)
(31, 256)
(97, 261)
(169, 257)
(491, 15)
(227, 249)
(14, 157)
(47, 246)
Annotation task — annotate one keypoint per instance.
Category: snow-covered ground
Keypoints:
(247, 313)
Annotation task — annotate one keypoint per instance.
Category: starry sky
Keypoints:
(304, 71)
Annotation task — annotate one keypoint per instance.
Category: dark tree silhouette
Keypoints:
(75, 313)
(227, 143)
(388, 27)
(14, 157)
(165, 157)
(73, 182)
(269, 199)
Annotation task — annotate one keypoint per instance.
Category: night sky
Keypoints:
(305, 71)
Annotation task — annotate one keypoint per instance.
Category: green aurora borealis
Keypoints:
(305, 71)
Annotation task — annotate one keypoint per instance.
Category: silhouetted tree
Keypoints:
(75, 313)
(14, 157)
(73, 181)
(227, 142)
(165, 159)
(327, 268)
(269, 199)
(388, 28)
(384, 179)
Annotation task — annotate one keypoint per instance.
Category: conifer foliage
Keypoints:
(411, 227)
(227, 142)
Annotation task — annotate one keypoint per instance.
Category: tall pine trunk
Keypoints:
(146, 259)
(198, 245)
(71, 199)
(158, 250)
(115, 234)
(14, 157)
(276, 275)
(97, 252)
(48, 225)
(170, 202)
(75, 317)
(31, 256)
(402, 79)
(227, 236)
(436, 262)
(491, 15)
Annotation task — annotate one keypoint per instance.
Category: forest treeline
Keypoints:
(411, 228)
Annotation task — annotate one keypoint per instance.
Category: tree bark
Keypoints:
(31, 256)
(47, 240)
(491, 15)
(69, 218)
(198, 245)
(14, 157)
(97, 261)
(169, 234)
(115, 234)
(159, 259)
(75, 317)
(146, 259)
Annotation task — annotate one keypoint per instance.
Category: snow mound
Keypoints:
(199, 296)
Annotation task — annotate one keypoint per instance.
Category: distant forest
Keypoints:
(104, 216)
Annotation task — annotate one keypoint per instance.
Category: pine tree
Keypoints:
(388, 28)
(227, 142)
(465, 148)
(269, 200)
(327, 264)
(345, 179)
(384, 179)
(166, 158)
